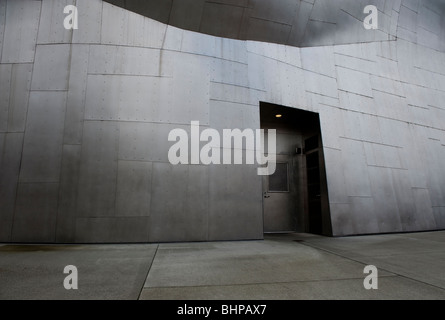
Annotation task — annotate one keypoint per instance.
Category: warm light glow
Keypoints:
(278, 115)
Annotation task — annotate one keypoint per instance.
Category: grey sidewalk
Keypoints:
(291, 266)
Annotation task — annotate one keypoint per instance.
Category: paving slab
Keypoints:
(248, 262)
(281, 267)
(419, 256)
(389, 288)
(35, 272)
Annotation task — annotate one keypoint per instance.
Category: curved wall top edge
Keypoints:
(301, 23)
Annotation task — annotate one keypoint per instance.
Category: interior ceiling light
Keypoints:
(278, 116)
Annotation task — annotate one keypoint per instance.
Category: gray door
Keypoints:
(279, 198)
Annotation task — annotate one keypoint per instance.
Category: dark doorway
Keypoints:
(295, 197)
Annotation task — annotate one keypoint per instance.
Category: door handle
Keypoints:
(266, 195)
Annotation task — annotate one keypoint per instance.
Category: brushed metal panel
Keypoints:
(417, 96)
(387, 85)
(115, 97)
(5, 88)
(391, 106)
(411, 4)
(386, 207)
(355, 168)
(341, 219)
(191, 84)
(51, 67)
(263, 30)
(123, 60)
(228, 17)
(36, 206)
(350, 26)
(404, 196)
(228, 115)
(406, 34)
(51, 28)
(427, 38)
(421, 115)
(292, 88)
(235, 202)
(98, 169)
(424, 211)
(159, 144)
(179, 206)
(335, 176)
(2, 24)
(75, 106)
(198, 43)
(437, 117)
(236, 94)
(20, 35)
(351, 124)
(90, 19)
(408, 18)
(354, 81)
(322, 11)
(135, 141)
(319, 60)
(415, 163)
(363, 215)
(103, 97)
(142, 99)
(386, 156)
(189, 21)
(173, 38)
(159, 10)
(231, 50)
(439, 215)
(114, 24)
(19, 96)
(318, 32)
(133, 193)
(358, 63)
(299, 23)
(283, 11)
(317, 102)
(99, 230)
(370, 155)
(320, 84)
(388, 68)
(256, 71)
(436, 173)
(230, 72)
(11, 151)
(133, 29)
(301, 19)
(394, 22)
(122, 27)
(146, 141)
(42, 150)
(369, 127)
(331, 126)
(68, 193)
(154, 34)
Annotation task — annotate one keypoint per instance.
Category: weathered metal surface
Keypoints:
(85, 114)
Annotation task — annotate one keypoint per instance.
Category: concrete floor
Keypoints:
(284, 267)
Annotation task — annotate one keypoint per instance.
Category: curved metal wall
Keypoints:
(85, 116)
(301, 23)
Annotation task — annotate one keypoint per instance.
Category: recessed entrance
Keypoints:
(295, 197)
